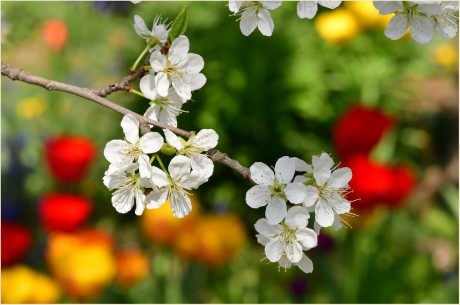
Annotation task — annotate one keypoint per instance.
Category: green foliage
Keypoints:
(179, 25)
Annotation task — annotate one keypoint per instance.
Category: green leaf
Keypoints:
(179, 25)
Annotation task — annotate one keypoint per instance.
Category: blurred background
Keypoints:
(387, 109)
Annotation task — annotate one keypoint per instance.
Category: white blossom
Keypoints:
(446, 21)
(122, 153)
(308, 9)
(163, 109)
(284, 243)
(129, 187)
(416, 15)
(273, 188)
(194, 148)
(173, 186)
(254, 14)
(332, 187)
(159, 32)
(177, 68)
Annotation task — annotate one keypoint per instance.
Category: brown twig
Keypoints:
(95, 95)
(123, 85)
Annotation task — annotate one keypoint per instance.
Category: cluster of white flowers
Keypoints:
(318, 188)
(255, 14)
(422, 17)
(173, 75)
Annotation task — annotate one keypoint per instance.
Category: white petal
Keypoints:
(234, 6)
(321, 174)
(263, 227)
(317, 227)
(116, 179)
(169, 117)
(305, 264)
(181, 87)
(194, 180)
(179, 167)
(173, 140)
(123, 200)
(202, 164)
(324, 214)
(300, 179)
(339, 178)
(273, 250)
(276, 210)
(248, 24)
(181, 205)
(140, 206)
(147, 86)
(157, 62)
(297, 217)
(115, 153)
(295, 192)
(430, 9)
(337, 225)
(271, 5)
(140, 27)
(307, 238)
(130, 126)
(152, 112)
(155, 199)
(258, 196)
(306, 9)
(265, 22)
(422, 29)
(284, 169)
(145, 168)
(179, 49)
(330, 4)
(195, 81)
(397, 27)
(294, 252)
(311, 196)
(301, 165)
(261, 239)
(322, 161)
(206, 139)
(158, 177)
(162, 84)
(284, 262)
(193, 64)
(341, 205)
(262, 174)
(387, 7)
(446, 26)
(151, 142)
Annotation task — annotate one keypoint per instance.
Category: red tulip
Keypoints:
(68, 157)
(63, 212)
(374, 184)
(359, 130)
(16, 241)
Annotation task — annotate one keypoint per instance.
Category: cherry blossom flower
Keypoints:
(332, 187)
(446, 22)
(159, 32)
(413, 14)
(273, 188)
(254, 14)
(173, 186)
(129, 187)
(203, 141)
(284, 243)
(178, 68)
(122, 153)
(163, 109)
(308, 9)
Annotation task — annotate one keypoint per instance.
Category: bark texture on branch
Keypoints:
(96, 95)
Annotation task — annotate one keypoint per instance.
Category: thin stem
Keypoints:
(162, 165)
(133, 91)
(147, 47)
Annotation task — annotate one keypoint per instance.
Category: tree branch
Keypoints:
(96, 95)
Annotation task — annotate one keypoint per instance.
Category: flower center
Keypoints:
(171, 70)
(133, 150)
(277, 189)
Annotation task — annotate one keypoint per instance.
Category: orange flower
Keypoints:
(83, 263)
(132, 267)
(54, 34)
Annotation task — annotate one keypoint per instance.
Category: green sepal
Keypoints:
(179, 25)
